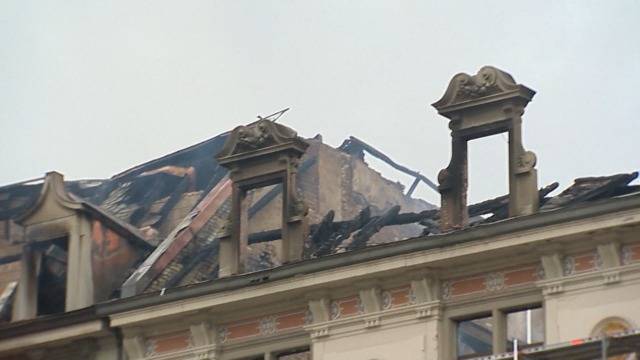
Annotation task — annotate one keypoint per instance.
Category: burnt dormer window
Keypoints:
(52, 277)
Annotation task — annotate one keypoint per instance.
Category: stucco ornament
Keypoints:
(258, 135)
(494, 281)
(386, 300)
(268, 325)
(488, 81)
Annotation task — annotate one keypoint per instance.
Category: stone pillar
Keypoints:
(79, 269)
(481, 105)
(453, 187)
(295, 224)
(523, 177)
(25, 303)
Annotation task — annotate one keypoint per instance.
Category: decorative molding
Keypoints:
(320, 332)
(373, 321)
(429, 310)
(258, 135)
(346, 307)
(391, 317)
(580, 263)
(464, 87)
(612, 277)
(552, 289)
(263, 327)
(491, 282)
(494, 281)
(591, 279)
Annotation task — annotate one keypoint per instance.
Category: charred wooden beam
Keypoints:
(372, 227)
(342, 231)
(502, 211)
(356, 146)
(174, 198)
(321, 232)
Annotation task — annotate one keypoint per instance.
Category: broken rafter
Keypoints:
(372, 227)
(355, 146)
(328, 235)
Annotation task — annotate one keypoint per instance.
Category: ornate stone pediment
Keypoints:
(488, 81)
(256, 136)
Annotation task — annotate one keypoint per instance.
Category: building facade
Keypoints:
(300, 251)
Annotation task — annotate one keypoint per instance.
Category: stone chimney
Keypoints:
(261, 154)
(481, 105)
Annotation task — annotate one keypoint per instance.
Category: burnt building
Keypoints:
(261, 244)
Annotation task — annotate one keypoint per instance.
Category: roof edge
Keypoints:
(537, 220)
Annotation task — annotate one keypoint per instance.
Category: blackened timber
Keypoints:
(373, 226)
(344, 230)
(355, 146)
(493, 205)
(183, 185)
(322, 232)
(330, 234)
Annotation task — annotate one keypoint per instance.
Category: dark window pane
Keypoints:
(474, 337)
(298, 355)
(525, 325)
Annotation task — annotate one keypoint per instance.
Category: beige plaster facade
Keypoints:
(579, 266)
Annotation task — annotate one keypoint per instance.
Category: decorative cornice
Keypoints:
(591, 279)
(487, 83)
(257, 136)
(362, 322)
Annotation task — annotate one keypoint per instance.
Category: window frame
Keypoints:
(508, 311)
(267, 349)
(458, 321)
(497, 306)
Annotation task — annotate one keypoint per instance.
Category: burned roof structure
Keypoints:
(261, 204)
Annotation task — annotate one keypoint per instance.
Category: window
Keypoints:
(474, 337)
(493, 333)
(304, 354)
(527, 326)
(52, 278)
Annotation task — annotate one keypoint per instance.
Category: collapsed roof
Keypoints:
(179, 203)
(183, 206)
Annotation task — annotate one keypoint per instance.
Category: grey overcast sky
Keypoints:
(91, 88)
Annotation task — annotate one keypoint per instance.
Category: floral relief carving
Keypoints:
(268, 325)
(386, 300)
(494, 281)
(540, 274)
(446, 290)
(412, 296)
(598, 262)
(308, 317)
(223, 334)
(335, 310)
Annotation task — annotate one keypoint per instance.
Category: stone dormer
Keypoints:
(485, 104)
(262, 154)
(73, 253)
